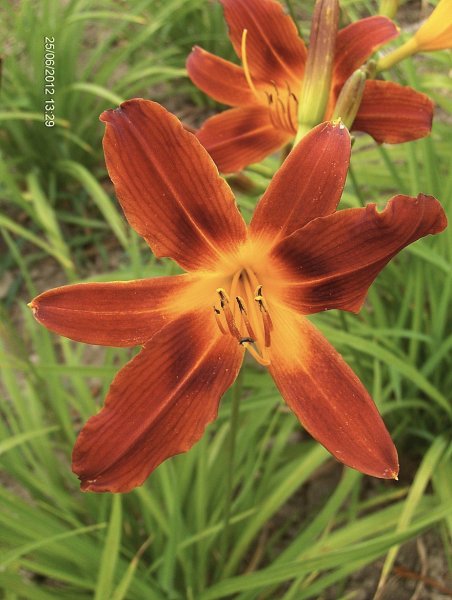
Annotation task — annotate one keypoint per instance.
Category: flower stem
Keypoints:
(394, 57)
(234, 425)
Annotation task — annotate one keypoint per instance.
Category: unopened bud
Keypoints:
(316, 85)
(349, 100)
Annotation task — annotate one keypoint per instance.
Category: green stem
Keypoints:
(234, 425)
(397, 55)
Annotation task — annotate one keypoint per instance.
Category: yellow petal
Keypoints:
(436, 32)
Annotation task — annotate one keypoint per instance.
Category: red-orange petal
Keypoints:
(357, 42)
(218, 78)
(328, 398)
(239, 137)
(332, 261)
(274, 50)
(393, 113)
(308, 185)
(158, 405)
(168, 186)
(119, 313)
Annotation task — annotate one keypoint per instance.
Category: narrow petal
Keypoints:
(393, 113)
(357, 42)
(239, 137)
(332, 261)
(168, 186)
(328, 398)
(158, 405)
(274, 50)
(308, 185)
(120, 313)
(219, 78)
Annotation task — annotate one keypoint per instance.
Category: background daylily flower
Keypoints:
(265, 93)
(246, 288)
(434, 34)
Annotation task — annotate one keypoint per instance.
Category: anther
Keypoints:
(223, 296)
(244, 315)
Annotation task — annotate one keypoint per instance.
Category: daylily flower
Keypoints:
(246, 289)
(434, 34)
(269, 94)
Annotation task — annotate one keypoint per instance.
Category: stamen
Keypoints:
(253, 332)
(245, 317)
(282, 113)
(292, 110)
(224, 301)
(217, 314)
(268, 323)
(245, 64)
(234, 287)
(268, 326)
(283, 107)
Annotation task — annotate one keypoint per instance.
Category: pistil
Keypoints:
(245, 64)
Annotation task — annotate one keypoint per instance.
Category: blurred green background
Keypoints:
(300, 525)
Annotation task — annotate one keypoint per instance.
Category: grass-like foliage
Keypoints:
(234, 517)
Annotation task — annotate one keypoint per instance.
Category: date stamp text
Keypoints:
(49, 81)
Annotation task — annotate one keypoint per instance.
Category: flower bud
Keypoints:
(319, 66)
(349, 99)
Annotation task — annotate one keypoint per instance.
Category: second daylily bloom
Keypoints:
(266, 92)
(434, 34)
(246, 288)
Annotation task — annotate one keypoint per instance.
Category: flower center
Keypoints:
(283, 106)
(243, 313)
(282, 103)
